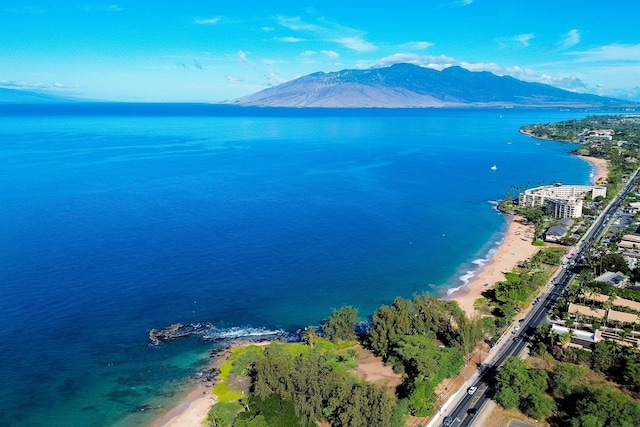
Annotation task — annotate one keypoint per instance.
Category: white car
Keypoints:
(472, 390)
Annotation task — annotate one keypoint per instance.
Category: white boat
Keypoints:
(494, 167)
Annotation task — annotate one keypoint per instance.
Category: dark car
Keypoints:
(472, 412)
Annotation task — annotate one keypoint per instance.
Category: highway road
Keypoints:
(460, 414)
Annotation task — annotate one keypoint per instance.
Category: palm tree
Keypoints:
(310, 334)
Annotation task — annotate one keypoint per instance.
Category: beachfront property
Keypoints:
(561, 201)
(597, 135)
(557, 232)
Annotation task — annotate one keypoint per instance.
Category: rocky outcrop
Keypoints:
(173, 332)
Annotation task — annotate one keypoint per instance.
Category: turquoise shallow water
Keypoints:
(117, 219)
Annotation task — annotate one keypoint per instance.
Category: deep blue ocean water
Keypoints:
(115, 219)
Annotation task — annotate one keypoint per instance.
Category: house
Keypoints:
(616, 279)
(555, 234)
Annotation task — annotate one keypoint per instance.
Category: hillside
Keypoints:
(407, 85)
(18, 96)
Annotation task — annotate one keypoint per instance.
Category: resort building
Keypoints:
(561, 201)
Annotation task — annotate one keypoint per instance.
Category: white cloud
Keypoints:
(290, 39)
(22, 85)
(328, 31)
(416, 45)
(233, 79)
(295, 23)
(308, 53)
(272, 77)
(607, 71)
(356, 43)
(612, 52)
(524, 38)
(466, 2)
(207, 21)
(242, 57)
(330, 54)
(428, 61)
(441, 62)
(570, 39)
(102, 8)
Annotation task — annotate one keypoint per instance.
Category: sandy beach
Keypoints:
(515, 248)
(600, 169)
(192, 411)
(194, 408)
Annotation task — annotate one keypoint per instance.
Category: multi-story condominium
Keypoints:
(562, 201)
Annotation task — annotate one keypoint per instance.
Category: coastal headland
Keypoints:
(515, 248)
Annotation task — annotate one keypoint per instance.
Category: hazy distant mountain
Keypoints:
(19, 96)
(407, 85)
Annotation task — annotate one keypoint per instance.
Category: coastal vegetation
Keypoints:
(566, 394)
(427, 340)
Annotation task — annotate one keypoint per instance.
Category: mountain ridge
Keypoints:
(411, 86)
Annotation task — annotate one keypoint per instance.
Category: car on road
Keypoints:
(448, 421)
(472, 412)
(472, 390)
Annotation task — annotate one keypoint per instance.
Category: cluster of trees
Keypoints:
(319, 389)
(516, 292)
(619, 363)
(567, 393)
(523, 388)
(406, 333)
(302, 384)
(536, 215)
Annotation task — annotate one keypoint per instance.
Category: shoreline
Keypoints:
(600, 169)
(515, 248)
(194, 406)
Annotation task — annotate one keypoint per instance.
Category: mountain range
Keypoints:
(24, 96)
(397, 86)
(408, 85)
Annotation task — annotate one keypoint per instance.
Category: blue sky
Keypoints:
(209, 51)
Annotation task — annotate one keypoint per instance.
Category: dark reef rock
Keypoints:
(173, 332)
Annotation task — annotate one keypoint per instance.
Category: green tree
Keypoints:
(507, 397)
(614, 262)
(342, 323)
(524, 388)
(309, 336)
(564, 377)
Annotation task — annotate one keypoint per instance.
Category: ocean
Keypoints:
(119, 218)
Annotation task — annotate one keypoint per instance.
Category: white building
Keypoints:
(562, 201)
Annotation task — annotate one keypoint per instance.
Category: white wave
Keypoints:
(452, 290)
(236, 332)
